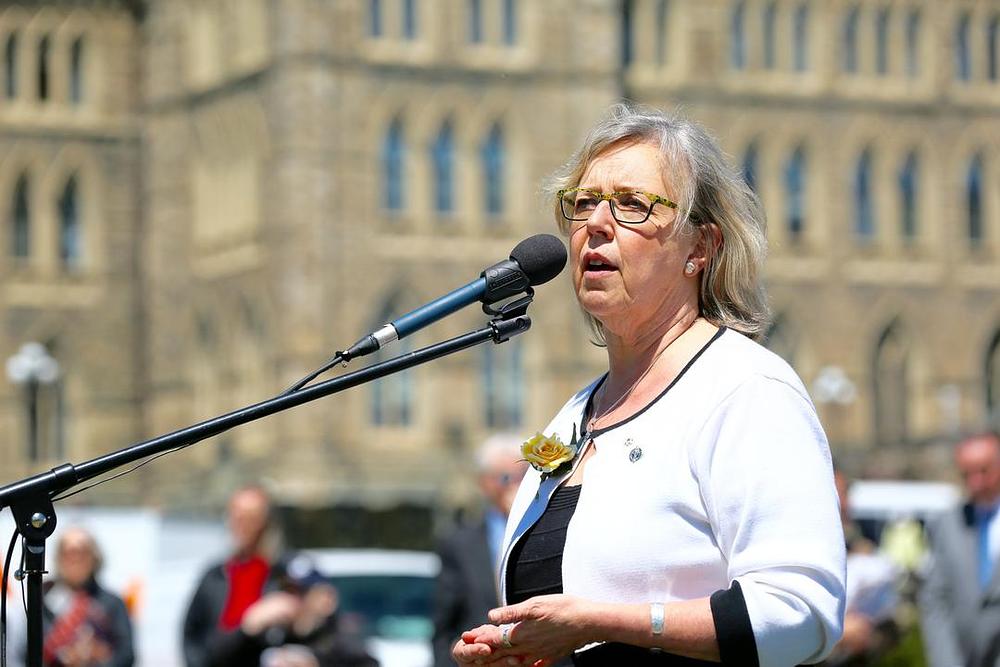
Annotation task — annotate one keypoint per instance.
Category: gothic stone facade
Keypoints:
(258, 182)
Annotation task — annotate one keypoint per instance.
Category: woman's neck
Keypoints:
(629, 358)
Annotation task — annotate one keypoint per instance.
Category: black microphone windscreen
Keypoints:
(541, 257)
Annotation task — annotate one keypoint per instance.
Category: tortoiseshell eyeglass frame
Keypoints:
(609, 197)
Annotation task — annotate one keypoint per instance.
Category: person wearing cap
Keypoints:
(295, 626)
(466, 587)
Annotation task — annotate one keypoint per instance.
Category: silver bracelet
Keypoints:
(656, 617)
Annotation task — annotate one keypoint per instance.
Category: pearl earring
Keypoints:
(689, 268)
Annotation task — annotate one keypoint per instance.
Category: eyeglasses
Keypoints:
(630, 208)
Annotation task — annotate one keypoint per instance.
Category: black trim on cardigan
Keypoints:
(737, 645)
(590, 399)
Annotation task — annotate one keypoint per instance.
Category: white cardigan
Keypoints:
(734, 482)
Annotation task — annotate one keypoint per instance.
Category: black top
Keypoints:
(536, 562)
(535, 568)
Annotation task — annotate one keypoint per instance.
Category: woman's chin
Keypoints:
(600, 306)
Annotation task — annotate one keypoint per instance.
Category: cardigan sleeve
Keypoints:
(765, 476)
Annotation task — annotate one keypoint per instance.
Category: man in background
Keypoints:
(228, 589)
(466, 587)
(960, 600)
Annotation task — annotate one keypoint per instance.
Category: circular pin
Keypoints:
(635, 454)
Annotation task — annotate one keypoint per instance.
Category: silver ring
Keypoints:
(505, 634)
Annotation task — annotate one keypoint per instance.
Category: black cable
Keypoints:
(3, 600)
(336, 359)
(122, 473)
(333, 361)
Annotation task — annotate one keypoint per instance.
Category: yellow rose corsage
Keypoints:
(547, 453)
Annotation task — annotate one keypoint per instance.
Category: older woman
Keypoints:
(85, 625)
(682, 509)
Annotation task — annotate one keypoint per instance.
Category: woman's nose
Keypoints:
(602, 221)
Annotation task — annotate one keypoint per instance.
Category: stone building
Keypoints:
(203, 199)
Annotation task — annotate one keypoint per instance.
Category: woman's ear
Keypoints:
(707, 246)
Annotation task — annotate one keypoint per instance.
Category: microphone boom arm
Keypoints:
(31, 499)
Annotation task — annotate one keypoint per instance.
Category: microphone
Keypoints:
(535, 260)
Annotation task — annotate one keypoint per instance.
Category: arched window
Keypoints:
(750, 159)
(850, 40)
(889, 379)
(69, 226)
(76, 71)
(509, 22)
(392, 395)
(992, 379)
(393, 167)
(974, 200)
(410, 19)
(375, 18)
(503, 384)
(44, 48)
(908, 184)
(662, 31)
(795, 193)
(737, 36)
(21, 215)
(800, 35)
(992, 48)
(770, 19)
(864, 204)
(10, 67)
(493, 160)
(963, 54)
(627, 47)
(475, 8)
(913, 43)
(443, 158)
(882, 41)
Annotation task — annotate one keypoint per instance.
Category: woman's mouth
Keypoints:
(596, 266)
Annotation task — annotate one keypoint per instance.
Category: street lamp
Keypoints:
(32, 367)
(833, 387)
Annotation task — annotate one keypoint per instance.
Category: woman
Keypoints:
(681, 509)
(85, 625)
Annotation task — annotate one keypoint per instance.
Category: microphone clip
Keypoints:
(511, 309)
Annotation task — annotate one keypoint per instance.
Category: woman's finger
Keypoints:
(470, 653)
(471, 636)
(511, 613)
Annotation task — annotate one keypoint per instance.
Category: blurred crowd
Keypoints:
(918, 592)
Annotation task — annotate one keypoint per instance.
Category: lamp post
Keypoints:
(32, 367)
(833, 387)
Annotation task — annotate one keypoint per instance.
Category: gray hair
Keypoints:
(708, 190)
(499, 448)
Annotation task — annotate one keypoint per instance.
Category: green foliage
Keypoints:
(909, 652)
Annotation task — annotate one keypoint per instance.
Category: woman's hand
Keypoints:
(539, 631)
(482, 646)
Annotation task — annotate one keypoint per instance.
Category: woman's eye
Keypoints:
(630, 202)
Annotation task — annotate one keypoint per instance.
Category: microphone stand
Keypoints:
(30, 499)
